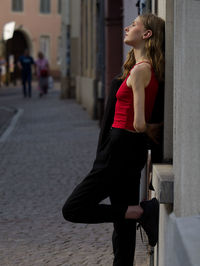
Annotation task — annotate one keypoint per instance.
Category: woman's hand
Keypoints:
(154, 132)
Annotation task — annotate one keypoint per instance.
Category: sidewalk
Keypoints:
(49, 151)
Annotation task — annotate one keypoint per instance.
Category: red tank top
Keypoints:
(124, 109)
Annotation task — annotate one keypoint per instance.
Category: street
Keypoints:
(48, 150)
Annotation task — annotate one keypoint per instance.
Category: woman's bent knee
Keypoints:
(71, 212)
(67, 213)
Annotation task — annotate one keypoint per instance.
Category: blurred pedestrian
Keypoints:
(2, 69)
(25, 63)
(120, 158)
(42, 69)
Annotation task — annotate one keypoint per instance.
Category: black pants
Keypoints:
(115, 174)
(26, 78)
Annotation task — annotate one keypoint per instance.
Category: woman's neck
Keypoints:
(140, 56)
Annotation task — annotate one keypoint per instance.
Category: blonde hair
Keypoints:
(154, 47)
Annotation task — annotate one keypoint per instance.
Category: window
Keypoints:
(45, 6)
(45, 45)
(59, 6)
(17, 5)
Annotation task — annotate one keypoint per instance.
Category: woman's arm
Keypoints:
(47, 65)
(139, 78)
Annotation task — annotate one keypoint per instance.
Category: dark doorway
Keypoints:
(15, 47)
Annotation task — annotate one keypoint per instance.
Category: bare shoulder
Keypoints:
(141, 69)
(141, 73)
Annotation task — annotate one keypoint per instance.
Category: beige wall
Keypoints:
(179, 218)
(35, 24)
(186, 108)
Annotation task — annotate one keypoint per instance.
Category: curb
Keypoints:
(9, 122)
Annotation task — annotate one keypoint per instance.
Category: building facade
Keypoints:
(95, 37)
(176, 181)
(37, 28)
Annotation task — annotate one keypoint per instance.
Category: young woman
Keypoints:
(42, 70)
(117, 169)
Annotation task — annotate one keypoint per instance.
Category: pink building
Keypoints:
(38, 28)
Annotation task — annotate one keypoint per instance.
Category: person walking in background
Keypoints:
(2, 69)
(25, 63)
(120, 158)
(42, 69)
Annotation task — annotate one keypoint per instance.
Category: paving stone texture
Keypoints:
(50, 150)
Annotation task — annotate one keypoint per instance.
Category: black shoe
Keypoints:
(149, 220)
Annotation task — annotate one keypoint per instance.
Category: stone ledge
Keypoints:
(163, 183)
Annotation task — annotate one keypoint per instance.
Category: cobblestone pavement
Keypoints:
(50, 150)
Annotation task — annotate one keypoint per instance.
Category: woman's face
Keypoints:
(134, 33)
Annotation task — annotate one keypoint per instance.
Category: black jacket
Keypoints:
(157, 117)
